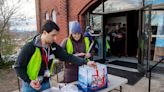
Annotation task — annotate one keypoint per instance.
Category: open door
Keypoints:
(144, 36)
(96, 21)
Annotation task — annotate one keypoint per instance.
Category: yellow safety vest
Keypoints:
(34, 65)
(69, 46)
(107, 45)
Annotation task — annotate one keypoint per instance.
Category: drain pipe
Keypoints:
(67, 16)
(104, 34)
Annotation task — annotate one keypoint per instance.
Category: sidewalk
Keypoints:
(141, 86)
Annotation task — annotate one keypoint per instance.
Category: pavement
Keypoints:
(157, 82)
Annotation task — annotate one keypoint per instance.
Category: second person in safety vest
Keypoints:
(78, 45)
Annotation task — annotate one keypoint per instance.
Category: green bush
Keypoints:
(5, 65)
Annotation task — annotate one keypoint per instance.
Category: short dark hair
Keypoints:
(49, 26)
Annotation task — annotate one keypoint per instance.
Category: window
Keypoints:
(47, 16)
(54, 16)
(154, 2)
(118, 5)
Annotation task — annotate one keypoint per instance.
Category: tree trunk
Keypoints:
(0, 57)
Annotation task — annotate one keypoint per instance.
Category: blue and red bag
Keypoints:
(92, 79)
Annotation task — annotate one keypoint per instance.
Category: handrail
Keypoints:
(156, 64)
(151, 70)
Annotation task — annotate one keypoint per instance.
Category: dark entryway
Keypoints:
(132, 28)
(128, 23)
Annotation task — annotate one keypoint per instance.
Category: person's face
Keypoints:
(117, 27)
(76, 36)
(91, 30)
(51, 36)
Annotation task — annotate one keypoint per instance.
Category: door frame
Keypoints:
(144, 38)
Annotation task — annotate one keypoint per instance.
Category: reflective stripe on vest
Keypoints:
(69, 46)
(34, 65)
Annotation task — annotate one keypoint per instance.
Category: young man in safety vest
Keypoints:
(36, 59)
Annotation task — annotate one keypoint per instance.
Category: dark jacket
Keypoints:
(28, 50)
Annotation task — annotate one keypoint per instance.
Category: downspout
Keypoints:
(38, 5)
(104, 34)
(67, 16)
(40, 15)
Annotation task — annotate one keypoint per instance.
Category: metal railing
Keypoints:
(150, 71)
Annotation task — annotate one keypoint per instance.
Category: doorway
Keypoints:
(127, 22)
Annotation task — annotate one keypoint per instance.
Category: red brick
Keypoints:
(67, 10)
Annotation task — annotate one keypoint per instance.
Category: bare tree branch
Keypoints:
(8, 9)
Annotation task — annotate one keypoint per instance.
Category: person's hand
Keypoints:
(35, 84)
(119, 36)
(92, 31)
(80, 54)
(92, 64)
(87, 55)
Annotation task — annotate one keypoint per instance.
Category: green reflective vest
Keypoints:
(107, 45)
(69, 46)
(34, 65)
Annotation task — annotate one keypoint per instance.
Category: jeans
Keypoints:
(27, 88)
(100, 45)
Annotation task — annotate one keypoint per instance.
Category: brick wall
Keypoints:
(67, 10)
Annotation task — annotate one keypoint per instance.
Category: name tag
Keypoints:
(51, 57)
(47, 73)
(54, 48)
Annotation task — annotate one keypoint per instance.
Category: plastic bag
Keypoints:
(91, 79)
(65, 88)
(52, 89)
(69, 88)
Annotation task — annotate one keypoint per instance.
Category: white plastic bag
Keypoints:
(52, 89)
(69, 88)
(65, 88)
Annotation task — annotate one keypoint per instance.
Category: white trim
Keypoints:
(54, 16)
(47, 16)
(160, 36)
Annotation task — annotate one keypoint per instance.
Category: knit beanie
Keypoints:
(76, 28)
